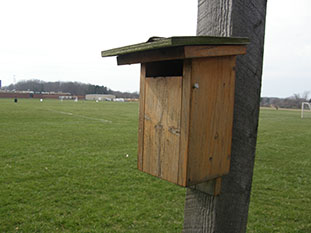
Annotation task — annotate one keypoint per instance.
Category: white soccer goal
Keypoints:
(303, 107)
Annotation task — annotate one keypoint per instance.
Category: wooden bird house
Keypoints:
(186, 105)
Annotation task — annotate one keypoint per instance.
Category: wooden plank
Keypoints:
(174, 42)
(141, 117)
(173, 53)
(162, 127)
(176, 53)
(211, 187)
(211, 118)
(213, 51)
(185, 114)
(217, 187)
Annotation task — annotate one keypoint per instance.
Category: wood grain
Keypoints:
(185, 132)
(211, 118)
(229, 211)
(211, 187)
(184, 124)
(174, 53)
(214, 51)
(151, 56)
(162, 127)
(141, 117)
(175, 41)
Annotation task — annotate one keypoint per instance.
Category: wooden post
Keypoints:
(228, 212)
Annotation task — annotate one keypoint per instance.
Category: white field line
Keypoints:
(81, 116)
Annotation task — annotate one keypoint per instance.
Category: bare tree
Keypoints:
(228, 212)
(305, 95)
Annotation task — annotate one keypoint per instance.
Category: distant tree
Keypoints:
(305, 95)
(293, 101)
(297, 99)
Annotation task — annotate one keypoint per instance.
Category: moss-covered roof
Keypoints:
(160, 42)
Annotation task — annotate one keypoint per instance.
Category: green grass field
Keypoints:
(63, 168)
(281, 192)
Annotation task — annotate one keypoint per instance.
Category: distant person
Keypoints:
(15, 100)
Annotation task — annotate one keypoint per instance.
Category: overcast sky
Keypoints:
(61, 40)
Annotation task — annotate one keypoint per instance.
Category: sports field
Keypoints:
(71, 167)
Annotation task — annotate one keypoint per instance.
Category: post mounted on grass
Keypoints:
(186, 106)
(228, 212)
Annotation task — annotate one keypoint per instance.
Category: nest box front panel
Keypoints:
(161, 132)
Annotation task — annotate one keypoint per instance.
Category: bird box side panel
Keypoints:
(162, 127)
(184, 123)
(141, 117)
(213, 81)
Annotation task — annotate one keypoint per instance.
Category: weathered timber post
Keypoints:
(228, 212)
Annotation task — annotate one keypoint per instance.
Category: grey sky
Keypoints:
(62, 40)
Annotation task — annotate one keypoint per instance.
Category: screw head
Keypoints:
(196, 85)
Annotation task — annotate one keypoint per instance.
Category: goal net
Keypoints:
(305, 109)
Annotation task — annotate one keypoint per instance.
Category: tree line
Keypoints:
(293, 101)
(75, 88)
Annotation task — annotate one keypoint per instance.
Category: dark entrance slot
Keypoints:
(164, 68)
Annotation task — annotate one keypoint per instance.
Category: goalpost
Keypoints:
(302, 107)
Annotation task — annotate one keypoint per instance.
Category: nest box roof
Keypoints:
(176, 41)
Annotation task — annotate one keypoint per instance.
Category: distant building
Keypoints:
(119, 100)
(100, 97)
